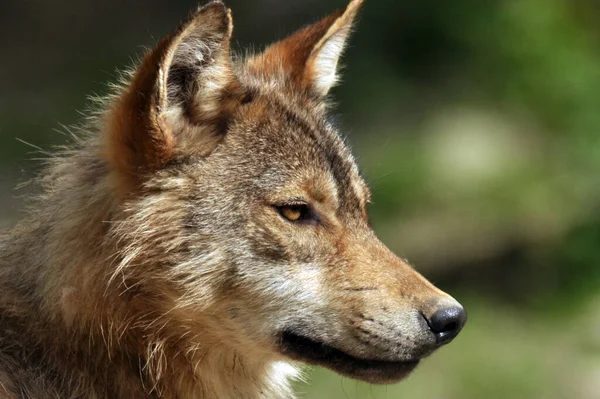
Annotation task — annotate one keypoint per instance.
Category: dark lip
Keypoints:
(302, 348)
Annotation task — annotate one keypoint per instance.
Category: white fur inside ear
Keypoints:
(325, 62)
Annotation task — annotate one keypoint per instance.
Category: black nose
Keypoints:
(446, 323)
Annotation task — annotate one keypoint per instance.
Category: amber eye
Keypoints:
(295, 213)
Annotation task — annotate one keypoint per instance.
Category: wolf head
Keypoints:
(243, 214)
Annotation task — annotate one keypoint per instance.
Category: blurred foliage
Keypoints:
(476, 124)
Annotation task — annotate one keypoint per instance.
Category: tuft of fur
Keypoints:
(154, 262)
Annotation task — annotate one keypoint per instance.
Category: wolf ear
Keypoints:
(178, 97)
(309, 58)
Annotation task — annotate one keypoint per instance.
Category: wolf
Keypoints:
(207, 233)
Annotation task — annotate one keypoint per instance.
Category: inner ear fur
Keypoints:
(178, 98)
(308, 59)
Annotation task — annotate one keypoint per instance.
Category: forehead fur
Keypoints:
(296, 141)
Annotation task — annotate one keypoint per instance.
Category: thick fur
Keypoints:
(154, 262)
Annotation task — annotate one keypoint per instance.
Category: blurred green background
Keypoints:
(475, 123)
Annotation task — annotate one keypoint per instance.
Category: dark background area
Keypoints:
(475, 123)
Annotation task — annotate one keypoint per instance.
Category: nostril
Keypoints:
(450, 327)
(446, 323)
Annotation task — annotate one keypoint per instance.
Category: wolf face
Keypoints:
(243, 213)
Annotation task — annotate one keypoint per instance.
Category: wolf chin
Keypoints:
(207, 233)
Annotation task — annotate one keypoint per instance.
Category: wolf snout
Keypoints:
(446, 322)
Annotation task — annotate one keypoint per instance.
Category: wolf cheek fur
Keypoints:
(209, 228)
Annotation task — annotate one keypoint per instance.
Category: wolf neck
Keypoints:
(176, 361)
(173, 370)
(179, 362)
(219, 373)
(186, 362)
(121, 343)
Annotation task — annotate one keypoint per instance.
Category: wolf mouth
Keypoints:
(307, 350)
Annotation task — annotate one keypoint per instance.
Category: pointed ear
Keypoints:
(309, 58)
(178, 97)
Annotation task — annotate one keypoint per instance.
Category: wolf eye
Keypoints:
(295, 213)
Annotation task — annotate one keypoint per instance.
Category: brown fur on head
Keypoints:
(218, 227)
